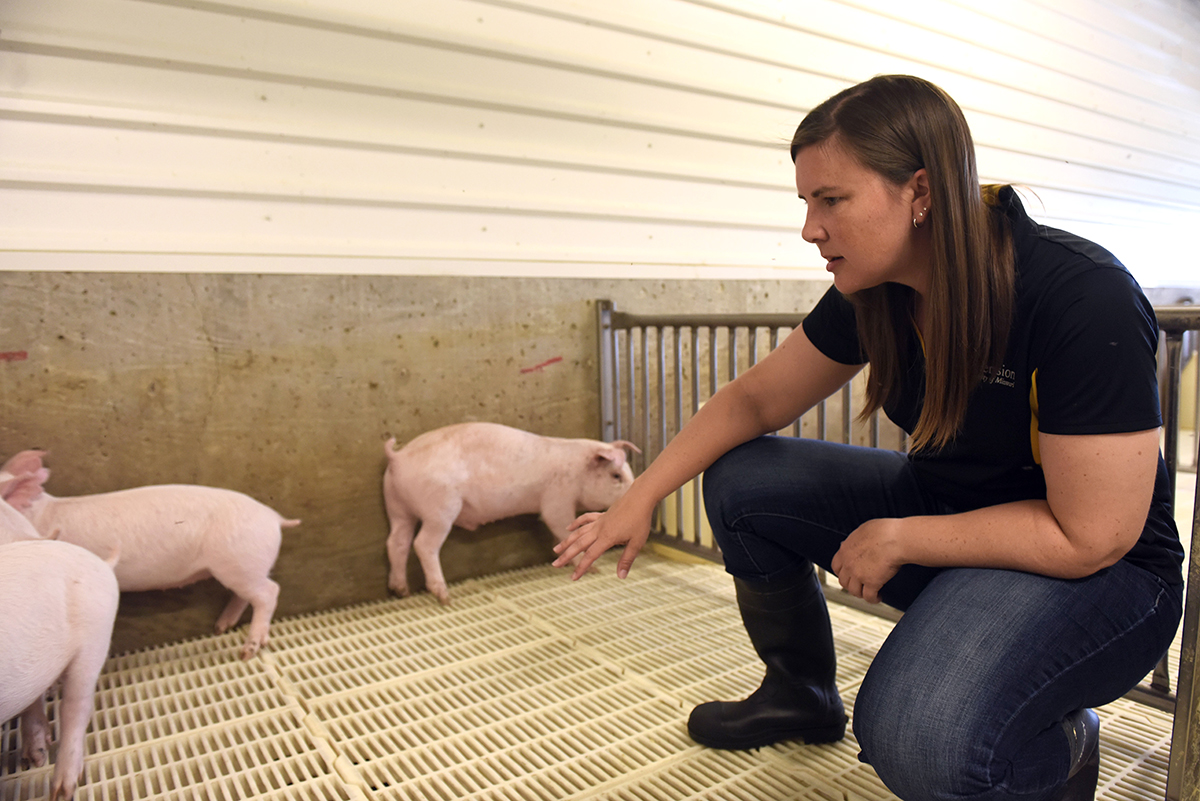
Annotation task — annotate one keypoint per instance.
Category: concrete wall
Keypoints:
(286, 387)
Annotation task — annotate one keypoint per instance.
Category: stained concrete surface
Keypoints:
(285, 387)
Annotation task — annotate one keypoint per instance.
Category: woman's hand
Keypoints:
(595, 532)
(869, 558)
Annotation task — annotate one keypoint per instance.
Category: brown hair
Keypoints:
(896, 125)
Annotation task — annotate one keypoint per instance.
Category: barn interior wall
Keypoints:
(241, 244)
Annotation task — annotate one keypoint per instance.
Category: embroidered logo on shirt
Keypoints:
(1002, 376)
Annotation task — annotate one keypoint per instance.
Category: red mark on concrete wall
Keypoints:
(537, 368)
(13, 356)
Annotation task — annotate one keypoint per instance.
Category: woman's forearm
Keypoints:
(723, 423)
(1023, 535)
(1098, 491)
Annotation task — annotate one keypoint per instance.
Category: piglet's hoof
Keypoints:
(250, 650)
(63, 788)
(33, 756)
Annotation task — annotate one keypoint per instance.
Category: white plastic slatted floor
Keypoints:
(527, 687)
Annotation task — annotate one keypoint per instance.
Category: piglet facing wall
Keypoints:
(475, 473)
(59, 603)
(172, 535)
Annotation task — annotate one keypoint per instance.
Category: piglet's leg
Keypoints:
(428, 545)
(399, 542)
(232, 614)
(75, 711)
(261, 593)
(264, 598)
(35, 734)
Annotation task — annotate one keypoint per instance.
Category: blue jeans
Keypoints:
(966, 697)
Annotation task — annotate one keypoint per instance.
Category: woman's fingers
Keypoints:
(582, 520)
(578, 542)
(591, 535)
(632, 549)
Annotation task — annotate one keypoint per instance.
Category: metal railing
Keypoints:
(1183, 774)
(657, 370)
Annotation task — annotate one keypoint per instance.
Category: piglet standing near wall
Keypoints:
(474, 473)
(173, 535)
(59, 604)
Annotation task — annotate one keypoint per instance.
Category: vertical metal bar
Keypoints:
(753, 345)
(662, 422)
(733, 352)
(678, 423)
(645, 440)
(662, 395)
(1181, 739)
(604, 337)
(616, 409)
(1170, 410)
(1193, 351)
(713, 365)
(1183, 771)
(627, 432)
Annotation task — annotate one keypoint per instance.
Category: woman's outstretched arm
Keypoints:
(788, 382)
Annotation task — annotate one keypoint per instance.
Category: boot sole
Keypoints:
(810, 736)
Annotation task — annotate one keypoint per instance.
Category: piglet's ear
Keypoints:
(24, 462)
(606, 455)
(624, 443)
(22, 490)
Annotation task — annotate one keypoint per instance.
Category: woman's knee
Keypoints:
(770, 467)
(922, 751)
(738, 466)
(732, 476)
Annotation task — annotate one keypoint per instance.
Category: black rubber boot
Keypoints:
(798, 699)
(1083, 731)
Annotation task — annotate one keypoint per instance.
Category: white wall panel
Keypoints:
(556, 137)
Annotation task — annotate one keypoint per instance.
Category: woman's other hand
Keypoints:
(869, 558)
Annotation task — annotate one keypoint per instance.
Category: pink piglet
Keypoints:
(173, 535)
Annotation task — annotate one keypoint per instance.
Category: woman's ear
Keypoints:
(919, 186)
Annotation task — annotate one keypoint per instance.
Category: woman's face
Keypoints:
(861, 222)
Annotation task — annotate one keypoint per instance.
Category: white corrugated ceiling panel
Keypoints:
(545, 137)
